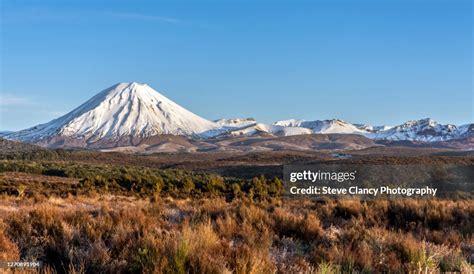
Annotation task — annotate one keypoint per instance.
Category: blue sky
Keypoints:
(376, 62)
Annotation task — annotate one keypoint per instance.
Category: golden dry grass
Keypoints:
(114, 234)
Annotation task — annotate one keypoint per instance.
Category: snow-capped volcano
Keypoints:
(123, 110)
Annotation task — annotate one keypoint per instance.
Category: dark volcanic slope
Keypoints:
(304, 142)
(466, 143)
(310, 142)
(257, 143)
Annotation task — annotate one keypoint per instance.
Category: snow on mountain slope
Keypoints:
(336, 126)
(323, 127)
(270, 129)
(227, 126)
(290, 123)
(281, 130)
(125, 109)
(466, 130)
(290, 131)
(426, 130)
(238, 122)
(380, 128)
(371, 128)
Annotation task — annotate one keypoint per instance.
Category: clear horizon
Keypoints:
(372, 62)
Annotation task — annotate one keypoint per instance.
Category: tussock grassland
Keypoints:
(81, 217)
(117, 234)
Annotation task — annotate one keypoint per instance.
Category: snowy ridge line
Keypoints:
(133, 110)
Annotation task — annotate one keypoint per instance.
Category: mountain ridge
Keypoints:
(126, 113)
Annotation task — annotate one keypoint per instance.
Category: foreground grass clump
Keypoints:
(116, 234)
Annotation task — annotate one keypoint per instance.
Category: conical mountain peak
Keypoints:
(123, 110)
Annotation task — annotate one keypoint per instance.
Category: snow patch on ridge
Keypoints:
(426, 130)
(323, 127)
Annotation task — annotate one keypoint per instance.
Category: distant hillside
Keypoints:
(18, 150)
